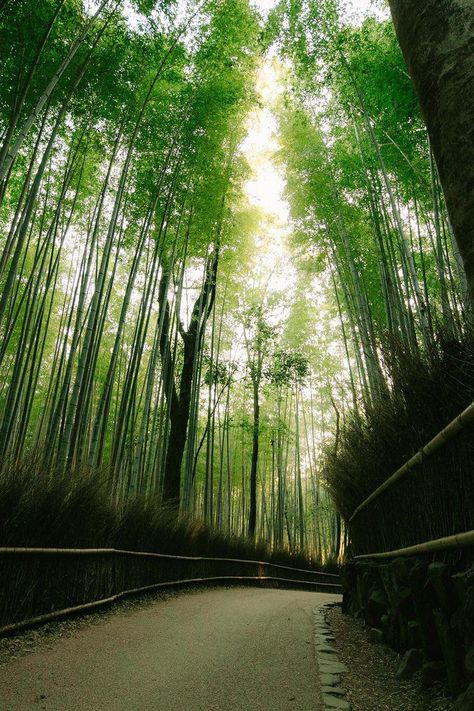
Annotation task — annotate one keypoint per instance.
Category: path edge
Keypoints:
(330, 668)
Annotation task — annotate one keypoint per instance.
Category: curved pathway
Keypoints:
(240, 649)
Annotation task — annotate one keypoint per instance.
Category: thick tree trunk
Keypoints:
(180, 404)
(179, 420)
(437, 39)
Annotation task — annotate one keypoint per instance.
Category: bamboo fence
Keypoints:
(455, 426)
(458, 540)
(45, 584)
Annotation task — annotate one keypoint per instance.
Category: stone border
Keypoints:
(330, 668)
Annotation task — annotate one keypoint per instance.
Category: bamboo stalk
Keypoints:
(455, 426)
(459, 540)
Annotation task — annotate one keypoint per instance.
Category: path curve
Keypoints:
(235, 649)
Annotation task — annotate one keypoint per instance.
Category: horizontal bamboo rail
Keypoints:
(90, 606)
(455, 426)
(458, 540)
(121, 552)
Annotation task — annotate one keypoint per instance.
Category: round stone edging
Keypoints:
(330, 668)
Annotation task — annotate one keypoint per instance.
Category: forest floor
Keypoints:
(370, 683)
(212, 650)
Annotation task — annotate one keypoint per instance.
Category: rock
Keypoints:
(332, 667)
(376, 635)
(387, 583)
(332, 702)
(330, 679)
(450, 650)
(438, 575)
(321, 647)
(335, 690)
(427, 631)
(469, 661)
(385, 624)
(431, 672)
(412, 604)
(411, 662)
(465, 702)
(377, 606)
(399, 571)
(390, 629)
(463, 582)
(413, 634)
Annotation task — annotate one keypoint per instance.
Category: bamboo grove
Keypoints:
(134, 343)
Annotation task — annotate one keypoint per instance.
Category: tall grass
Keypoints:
(424, 392)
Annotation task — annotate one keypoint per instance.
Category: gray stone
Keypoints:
(450, 650)
(332, 667)
(330, 679)
(431, 672)
(377, 606)
(469, 660)
(323, 639)
(325, 657)
(336, 690)
(413, 629)
(376, 635)
(465, 702)
(331, 702)
(411, 662)
(438, 574)
(325, 648)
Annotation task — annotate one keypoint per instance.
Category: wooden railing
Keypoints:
(43, 584)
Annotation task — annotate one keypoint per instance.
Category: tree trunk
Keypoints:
(437, 39)
(179, 419)
(180, 404)
(253, 468)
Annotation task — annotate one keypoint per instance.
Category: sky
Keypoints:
(266, 185)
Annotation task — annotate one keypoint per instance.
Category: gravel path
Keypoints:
(221, 650)
(370, 683)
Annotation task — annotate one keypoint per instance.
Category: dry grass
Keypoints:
(43, 509)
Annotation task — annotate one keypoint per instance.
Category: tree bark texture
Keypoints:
(437, 40)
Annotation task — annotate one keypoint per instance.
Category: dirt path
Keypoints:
(218, 650)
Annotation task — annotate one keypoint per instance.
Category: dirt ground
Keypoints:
(217, 650)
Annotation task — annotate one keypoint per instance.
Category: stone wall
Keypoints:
(425, 611)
